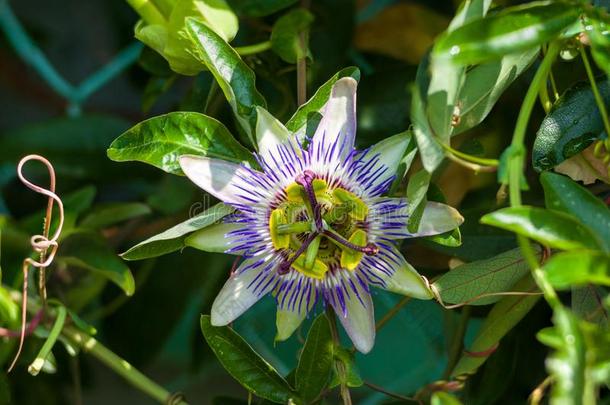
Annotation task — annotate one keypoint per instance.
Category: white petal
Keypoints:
(213, 238)
(391, 151)
(295, 296)
(269, 132)
(217, 177)
(359, 319)
(242, 290)
(337, 129)
(390, 268)
(438, 218)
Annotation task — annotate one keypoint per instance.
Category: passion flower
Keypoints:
(313, 226)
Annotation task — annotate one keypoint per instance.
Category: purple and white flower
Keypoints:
(312, 225)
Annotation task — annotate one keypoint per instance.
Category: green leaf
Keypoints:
(89, 251)
(105, 215)
(173, 238)
(447, 78)
(244, 364)
(494, 275)
(285, 36)
(75, 203)
(257, 8)
(430, 150)
(599, 35)
(234, 77)
(163, 31)
(450, 239)
(484, 85)
(306, 114)
(416, 195)
(572, 125)
(504, 315)
(352, 374)
(577, 268)
(551, 228)
(444, 398)
(587, 304)
(75, 146)
(563, 194)
(514, 29)
(316, 360)
(568, 363)
(469, 10)
(161, 140)
(212, 238)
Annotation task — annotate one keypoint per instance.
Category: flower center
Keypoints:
(319, 228)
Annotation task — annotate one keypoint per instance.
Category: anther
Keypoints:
(284, 267)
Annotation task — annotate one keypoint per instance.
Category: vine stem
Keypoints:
(89, 344)
(392, 312)
(515, 168)
(254, 48)
(345, 394)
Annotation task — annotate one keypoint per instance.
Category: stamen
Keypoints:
(370, 249)
(297, 227)
(305, 180)
(284, 267)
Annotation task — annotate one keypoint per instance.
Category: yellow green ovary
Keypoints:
(342, 211)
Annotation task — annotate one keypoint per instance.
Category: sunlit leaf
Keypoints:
(161, 140)
(513, 29)
(565, 195)
(173, 238)
(551, 228)
(234, 77)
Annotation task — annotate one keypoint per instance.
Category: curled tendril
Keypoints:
(43, 245)
(602, 152)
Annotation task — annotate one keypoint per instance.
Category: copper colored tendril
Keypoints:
(40, 243)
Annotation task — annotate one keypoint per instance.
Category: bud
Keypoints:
(163, 23)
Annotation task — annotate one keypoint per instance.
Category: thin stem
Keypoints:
(517, 159)
(457, 343)
(392, 312)
(341, 371)
(117, 364)
(254, 48)
(302, 72)
(39, 361)
(470, 158)
(390, 394)
(598, 98)
(90, 345)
